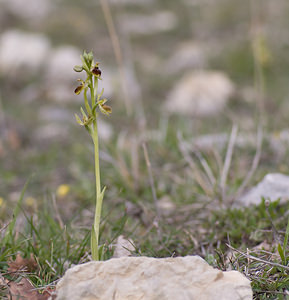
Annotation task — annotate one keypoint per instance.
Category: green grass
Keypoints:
(58, 236)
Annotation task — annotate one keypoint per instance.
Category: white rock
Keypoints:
(187, 56)
(133, 2)
(60, 63)
(149, 24)
(145, 278)
(123, 247)
(272, 187)
(22, 53)
(52, 131)
(28, 9)
(61, 80)
(200, 93)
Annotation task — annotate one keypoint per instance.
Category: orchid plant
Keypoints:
(93, 104)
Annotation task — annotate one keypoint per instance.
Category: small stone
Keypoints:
(166, 206)
(123, 247)
(274, 186)
(200, 93)
(146, 278)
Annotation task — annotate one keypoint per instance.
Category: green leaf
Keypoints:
(100, 252)
(16, 211)
(286, 238)
(281, 253)
(94, 244)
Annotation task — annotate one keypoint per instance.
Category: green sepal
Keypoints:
(88, 58)
(78, 68)
(100, 95)
(87, 120)
(83, 114)
(105, 109)
(78, 120)
(84, 65)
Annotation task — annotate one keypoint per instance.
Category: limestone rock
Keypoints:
(123, 247)
(135, 278)
(200, 93)
(22, 54)
(273, 186)
(148, 24)
(28, 10)
(189, 55)
(61, 80)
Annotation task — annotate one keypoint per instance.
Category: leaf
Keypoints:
(94, 245)
(24, 290)
(286, 238)
(21, 264)
(281, 253)
(9, 233)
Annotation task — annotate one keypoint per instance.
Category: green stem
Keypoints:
(99, 194)
(96, 157)
(86, 102)
(91, 87)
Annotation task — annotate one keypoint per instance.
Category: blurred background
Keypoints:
(181, 76)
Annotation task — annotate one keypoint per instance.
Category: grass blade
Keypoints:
(16, 211)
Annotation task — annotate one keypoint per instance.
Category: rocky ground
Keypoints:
(202, 83)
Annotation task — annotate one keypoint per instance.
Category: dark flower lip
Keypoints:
(96, 71)
(78, 90)
(105, 109)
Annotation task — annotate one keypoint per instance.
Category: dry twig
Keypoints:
(228, 160)
(259, 259)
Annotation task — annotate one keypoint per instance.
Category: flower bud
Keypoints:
(78, 68)
(88, 57)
